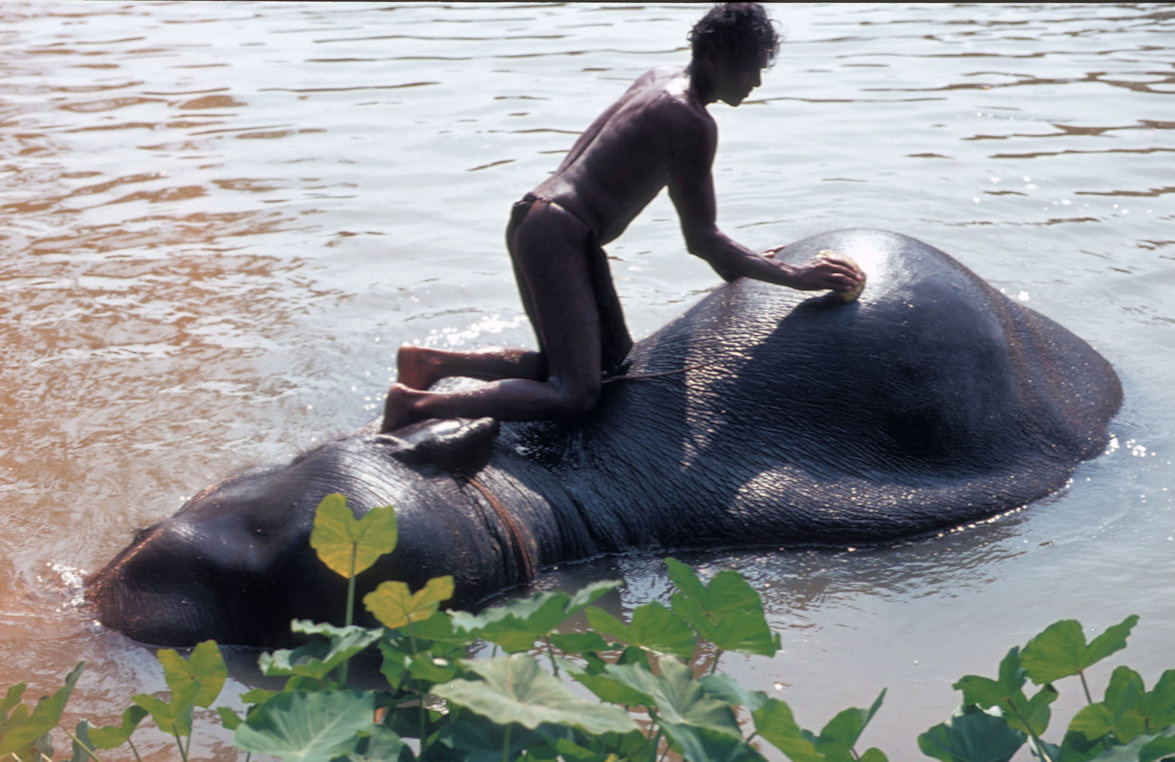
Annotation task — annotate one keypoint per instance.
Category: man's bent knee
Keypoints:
(577, 399)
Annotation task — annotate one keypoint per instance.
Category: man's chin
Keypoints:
(735, 99)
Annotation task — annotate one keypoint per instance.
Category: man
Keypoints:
(658, 135)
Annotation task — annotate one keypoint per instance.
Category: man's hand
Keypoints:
(825, 271)
(828, 272)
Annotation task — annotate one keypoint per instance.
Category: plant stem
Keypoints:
(1036, 741)
(351, 586)
(135, 751)
(89, 752)
(551, 653)
(1085, 687)
(657, 738)
(350, 613)
(179, 742)
(506, 744)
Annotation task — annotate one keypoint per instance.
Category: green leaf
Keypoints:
(317, 725)
(1128, 710)
(195, 681)
(727, 612)
(395, 606)
(1160, 702)
(516, 689)
(379, 745)
(395, 662)
(257, 696)
(681, 699)
(425, 666)
(840, 735)
(612, 690)
(874, 755)
(578, 642)
(439, 627)
(1006, 693)
(348, 545)
(1126, 700)
(516, 625)
(22, 729)
(1060, 650)
(573, 752)
(1161, 747)
(605, 624)
(985, 692)
(1092, 721)
(774, 721)
(113, 736)
(971, 737)
(11, 699)
(1033, 716)
(725, 688)
(701, 743)
(229, 718)
(316, 659)
(205, 667)
(1145, 748)
(478, 739)
(83, 746)
(652, 627)
(674, 694)
(589, 594)
(173, 717)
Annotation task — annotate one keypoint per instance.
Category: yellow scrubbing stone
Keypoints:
(852, 294)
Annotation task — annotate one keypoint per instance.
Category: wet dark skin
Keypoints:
(657, 135)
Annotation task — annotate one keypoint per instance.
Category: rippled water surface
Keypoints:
(218, 220)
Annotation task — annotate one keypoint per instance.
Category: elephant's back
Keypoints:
(930, 400)
(940, 367)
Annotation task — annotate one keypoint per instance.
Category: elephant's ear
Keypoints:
(458, 445)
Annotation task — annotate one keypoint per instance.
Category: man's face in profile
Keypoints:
(735, 76)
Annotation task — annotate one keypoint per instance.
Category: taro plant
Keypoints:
(618, 690)
(192, 682)
(998, 718)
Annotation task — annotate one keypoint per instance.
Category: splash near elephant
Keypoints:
(762, 416)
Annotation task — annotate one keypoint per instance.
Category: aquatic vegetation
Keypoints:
(615, 690)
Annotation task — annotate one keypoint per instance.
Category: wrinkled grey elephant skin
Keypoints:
(791, 419)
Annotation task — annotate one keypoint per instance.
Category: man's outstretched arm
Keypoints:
(691, 188)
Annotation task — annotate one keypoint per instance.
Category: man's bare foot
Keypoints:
(399, 409)
(418, 367)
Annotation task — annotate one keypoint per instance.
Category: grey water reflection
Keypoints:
(218, 220)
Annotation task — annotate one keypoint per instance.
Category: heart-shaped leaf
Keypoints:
(348, 545)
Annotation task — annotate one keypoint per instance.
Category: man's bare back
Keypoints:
(625, 158)
(657, 135)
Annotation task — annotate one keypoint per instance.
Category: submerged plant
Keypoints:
(618, 690)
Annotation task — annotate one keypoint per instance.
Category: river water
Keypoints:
(218, 221)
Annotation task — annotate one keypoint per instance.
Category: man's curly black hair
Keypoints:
(739, 30)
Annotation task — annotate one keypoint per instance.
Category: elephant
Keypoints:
(762, 416)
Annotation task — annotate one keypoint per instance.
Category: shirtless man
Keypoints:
(657, 135)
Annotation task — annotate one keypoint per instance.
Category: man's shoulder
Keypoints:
(662, 94)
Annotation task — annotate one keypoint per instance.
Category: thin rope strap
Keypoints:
(512, 528)
(640, 376)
